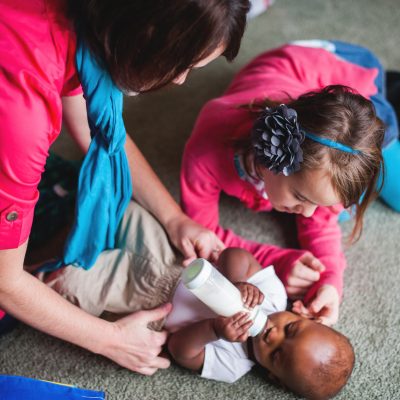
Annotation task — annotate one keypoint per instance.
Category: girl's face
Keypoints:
(202, 63)
(300, 193)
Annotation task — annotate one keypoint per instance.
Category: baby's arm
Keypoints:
(187, 346)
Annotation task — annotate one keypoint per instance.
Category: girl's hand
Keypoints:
(251, 295)
(193, 240)
(233, 329)
(134, 346)
(324, 307)
(304, 273)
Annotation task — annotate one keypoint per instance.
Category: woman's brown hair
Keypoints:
(146, 44)
(340, 114)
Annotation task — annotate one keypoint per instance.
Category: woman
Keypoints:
(139, 46)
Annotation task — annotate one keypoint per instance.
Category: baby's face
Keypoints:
(290, 346)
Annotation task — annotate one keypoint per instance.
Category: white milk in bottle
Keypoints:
(219, 294)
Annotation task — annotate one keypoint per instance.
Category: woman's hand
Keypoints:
(304, 273)
(251, 295)
(193, 240)
(233, 329)
(134, 346)
(324, 307)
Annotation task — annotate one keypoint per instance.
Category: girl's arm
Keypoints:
(321, 234)
(200, 193)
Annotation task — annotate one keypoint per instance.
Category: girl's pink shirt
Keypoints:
(208, 162)
(37, 68)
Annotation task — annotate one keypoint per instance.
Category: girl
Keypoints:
(134, 46)
(317, 152)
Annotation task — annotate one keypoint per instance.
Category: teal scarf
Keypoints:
(105, 185)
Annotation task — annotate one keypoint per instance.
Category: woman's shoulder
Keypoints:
(42, 43)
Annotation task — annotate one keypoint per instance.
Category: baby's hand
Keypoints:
(233, 329)
(304, 273)
(324, 307)
(251, 295)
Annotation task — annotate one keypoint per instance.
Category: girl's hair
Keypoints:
(340, 114)
(146, 44)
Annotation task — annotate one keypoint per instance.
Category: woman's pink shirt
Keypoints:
(37, 68)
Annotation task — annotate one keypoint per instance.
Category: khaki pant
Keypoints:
(140, 273)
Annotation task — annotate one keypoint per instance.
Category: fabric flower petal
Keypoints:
(277, 139)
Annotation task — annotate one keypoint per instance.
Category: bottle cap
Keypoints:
(196, 273)
(259, 321)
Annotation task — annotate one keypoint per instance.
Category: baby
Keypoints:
(301, 354)
(296, 352)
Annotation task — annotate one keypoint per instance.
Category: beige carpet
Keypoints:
(160, 123)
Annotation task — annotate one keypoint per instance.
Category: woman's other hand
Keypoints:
(193, 240)
(136, 347)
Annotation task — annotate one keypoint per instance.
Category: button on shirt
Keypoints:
(37, 68)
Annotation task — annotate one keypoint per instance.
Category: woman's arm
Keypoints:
(128, 341)
(75, 120)
(188, 236)
(192, 239)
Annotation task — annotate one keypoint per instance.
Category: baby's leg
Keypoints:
(141, 273)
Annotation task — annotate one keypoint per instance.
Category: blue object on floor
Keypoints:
(362, 56)
(19, 387)
(390, 193)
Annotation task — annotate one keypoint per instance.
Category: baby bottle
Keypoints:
(219, 294)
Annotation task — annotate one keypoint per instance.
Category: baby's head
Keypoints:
(306, 357)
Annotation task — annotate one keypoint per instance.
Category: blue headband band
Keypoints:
(332, 144)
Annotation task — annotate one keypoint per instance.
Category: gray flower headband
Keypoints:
(277, 137)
